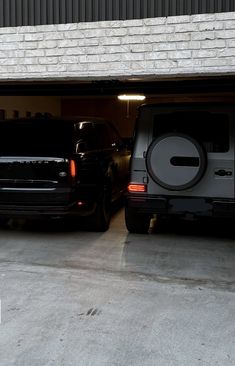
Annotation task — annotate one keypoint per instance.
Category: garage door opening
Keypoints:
(99, 98)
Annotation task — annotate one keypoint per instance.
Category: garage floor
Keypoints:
(71, 297)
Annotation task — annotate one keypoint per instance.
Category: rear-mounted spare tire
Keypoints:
(176, 161)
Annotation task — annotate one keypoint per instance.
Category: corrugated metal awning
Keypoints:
(34, 12)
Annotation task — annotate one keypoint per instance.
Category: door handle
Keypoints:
(223, 173)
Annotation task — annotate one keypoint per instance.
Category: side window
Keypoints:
(115, 138)
(92, 136)
(85, 137)
(103, 136)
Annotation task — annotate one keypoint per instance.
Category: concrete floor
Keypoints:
(71, 297)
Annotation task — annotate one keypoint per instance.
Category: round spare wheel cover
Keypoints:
(176, 161)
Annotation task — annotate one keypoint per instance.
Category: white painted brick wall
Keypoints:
(175, 46)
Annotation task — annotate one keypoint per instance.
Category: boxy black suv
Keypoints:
(59, 167)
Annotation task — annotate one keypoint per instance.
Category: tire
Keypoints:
(176, 161)
(100, 219)
(137, 223)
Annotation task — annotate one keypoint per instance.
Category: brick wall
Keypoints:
(162, 47)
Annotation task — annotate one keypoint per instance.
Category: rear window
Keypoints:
(210, 129)
(39, 138)
(91, 136)
(95, 136)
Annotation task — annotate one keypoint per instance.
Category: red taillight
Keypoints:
(72, 168)
(137, 188)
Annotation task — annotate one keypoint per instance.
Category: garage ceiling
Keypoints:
(114, 87)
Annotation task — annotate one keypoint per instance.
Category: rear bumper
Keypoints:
(60, 202)
(34, 212)
(171, 205)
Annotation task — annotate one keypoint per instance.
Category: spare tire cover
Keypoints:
(176, 161)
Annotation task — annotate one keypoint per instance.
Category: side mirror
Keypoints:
(81, 146)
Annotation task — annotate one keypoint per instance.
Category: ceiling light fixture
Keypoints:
(129, 97)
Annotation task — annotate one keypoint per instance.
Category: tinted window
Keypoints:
(115, 138)
(103, 136)
(210, 129)
(92, 136)
(85, 137)
(107, 136)
(35, 138)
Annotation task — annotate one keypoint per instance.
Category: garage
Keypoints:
(72, 296)
(100, 98)
(47, 101)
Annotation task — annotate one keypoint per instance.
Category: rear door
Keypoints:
(35, 163)
(212, 128)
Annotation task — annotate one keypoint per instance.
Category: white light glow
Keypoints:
(131, 97)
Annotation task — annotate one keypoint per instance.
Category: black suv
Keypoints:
(60, 167)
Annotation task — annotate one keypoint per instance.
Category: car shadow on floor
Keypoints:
(190, 253)
(205, 227)
(57, 224)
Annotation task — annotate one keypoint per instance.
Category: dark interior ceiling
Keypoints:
(114, 87)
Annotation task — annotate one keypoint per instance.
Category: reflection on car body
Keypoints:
(61, 167)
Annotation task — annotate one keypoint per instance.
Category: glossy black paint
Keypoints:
(35, 176)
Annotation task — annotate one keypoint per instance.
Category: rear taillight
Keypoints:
(72, 168)
(137, 188)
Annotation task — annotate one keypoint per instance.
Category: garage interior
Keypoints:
(99, 97)
(71, 297)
